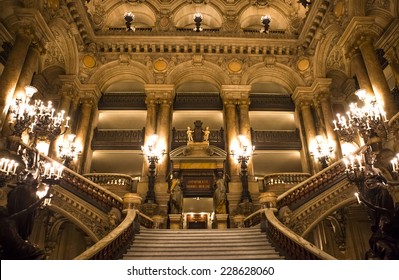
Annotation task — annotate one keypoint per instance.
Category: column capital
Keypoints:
(235, 92)
(31, 23)
(89, 93)
(359, 30)
(159, 92)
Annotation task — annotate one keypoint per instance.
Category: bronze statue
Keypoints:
(219, 196)
(176, 197)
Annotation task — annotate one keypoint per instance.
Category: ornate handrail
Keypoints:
(145, 221)
(314, 184)
(84, 185)
(113, 245)
(292, 245)
(254, 218)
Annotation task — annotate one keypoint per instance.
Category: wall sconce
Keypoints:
(129, 18)
(265, 20)
(322, 151)
(197, 20)
(153, 156)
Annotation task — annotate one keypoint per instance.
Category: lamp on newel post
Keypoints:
(242, 154)
(153, 155)
(322, 151)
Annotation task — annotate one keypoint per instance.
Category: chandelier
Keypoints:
(367, 121)
(36, 117)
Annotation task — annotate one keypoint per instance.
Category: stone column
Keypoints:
(230, 115)
(245, 128)
(150, 129)
(82, 130)
(11, 73)
(309, 127)
(377, 77)
(163, 131)
(359, 69)
(393, 61)
(29, 67)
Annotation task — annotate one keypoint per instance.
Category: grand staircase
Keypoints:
(229, 244)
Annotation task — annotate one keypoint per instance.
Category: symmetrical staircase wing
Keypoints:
(230, 244)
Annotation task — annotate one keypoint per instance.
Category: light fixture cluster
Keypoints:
(367, 121)
(36, 118)
(322, 150)
(265, 20)
(129, 18)
(197, 20)
(67, 151)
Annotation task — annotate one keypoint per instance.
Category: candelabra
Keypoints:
(153, 155)
(8, 170)
(322, 151)
(242, 155)
(265, 20)
(129, 18)
(68, 151)
(197, 20)
(368, 121)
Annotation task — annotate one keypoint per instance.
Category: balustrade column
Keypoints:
(150, 129)
(82, 131)
(11, 73)
(377, 78)
(309, 127)
(359, 68)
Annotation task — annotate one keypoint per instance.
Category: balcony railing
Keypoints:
(276, 139)
(117, 139)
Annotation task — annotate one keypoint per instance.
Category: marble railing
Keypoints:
(113, 246)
